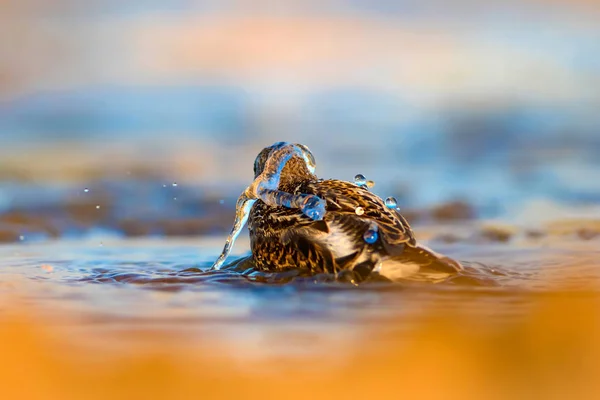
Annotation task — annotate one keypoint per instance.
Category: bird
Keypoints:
(355, 236)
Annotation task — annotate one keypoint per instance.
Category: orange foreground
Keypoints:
(551, 352)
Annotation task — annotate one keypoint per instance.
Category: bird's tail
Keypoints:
(419, 263)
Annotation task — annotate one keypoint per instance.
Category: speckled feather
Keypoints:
(283, 238)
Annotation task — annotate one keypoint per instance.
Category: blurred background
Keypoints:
(159, 107)
(126, 121)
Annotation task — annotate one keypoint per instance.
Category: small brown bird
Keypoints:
(357, 232)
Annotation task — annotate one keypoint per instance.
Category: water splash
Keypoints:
(309, 159)
(359, 210)
(242, 211)
(313, 207)
(265, 187)
(371, 235)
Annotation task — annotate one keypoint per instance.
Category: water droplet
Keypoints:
(391, 202)
(370, 184)
(97, 207)
(359, 211)
(101, 244)
(314, 214)
(314, 208)
(164, 186)
(174, 184)
(174, 198)
(221, 201)
(360, 180)
(86, 190)
(21, 238)
(371, 235)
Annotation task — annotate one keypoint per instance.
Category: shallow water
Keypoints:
(129, 255)
(110, 285)
(120, 274)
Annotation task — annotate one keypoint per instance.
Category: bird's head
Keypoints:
(300, 165)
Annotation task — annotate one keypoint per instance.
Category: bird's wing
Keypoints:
(286, 237)
(312, 238)
(343, 200)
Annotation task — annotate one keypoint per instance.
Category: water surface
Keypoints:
(113, 285)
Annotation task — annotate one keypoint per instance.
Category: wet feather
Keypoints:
(284, 238)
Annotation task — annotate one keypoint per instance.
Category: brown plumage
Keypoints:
(284, 238)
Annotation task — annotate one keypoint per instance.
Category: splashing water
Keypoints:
(242, 211)
(371, 235)
(265, 188)
(313, 207)
(359, 211)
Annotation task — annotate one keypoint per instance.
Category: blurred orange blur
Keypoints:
(551, 352)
